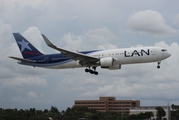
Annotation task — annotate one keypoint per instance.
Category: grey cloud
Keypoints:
(33, 34)
(5, 30)
(72, 42)
(99, 37)
(176, 20)
(32, 95)
(1, 7)
(24, 82)
(150, 21)
(87, 25)
(14, 78)
(103, 32)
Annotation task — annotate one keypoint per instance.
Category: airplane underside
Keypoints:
(89, 69)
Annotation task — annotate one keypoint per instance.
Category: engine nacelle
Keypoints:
(115, 67)
(106, 62)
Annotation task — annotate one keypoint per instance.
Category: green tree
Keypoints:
(54, 109)
(160, 113)
(177, 114)
(89, 115)
(46, 111)
(173, 107)
(148, 115)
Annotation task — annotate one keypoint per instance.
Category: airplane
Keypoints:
(111, 59)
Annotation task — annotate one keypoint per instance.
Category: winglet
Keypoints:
(52, 45)
(48, 41)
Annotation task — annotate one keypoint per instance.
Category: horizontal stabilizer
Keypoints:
(22, 60)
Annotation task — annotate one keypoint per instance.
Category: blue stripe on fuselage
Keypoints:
(54, 59)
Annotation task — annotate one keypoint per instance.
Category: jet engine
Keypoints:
(106, 62)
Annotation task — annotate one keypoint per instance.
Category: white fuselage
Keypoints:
(120, 56)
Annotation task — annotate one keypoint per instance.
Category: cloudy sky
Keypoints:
(86, 25)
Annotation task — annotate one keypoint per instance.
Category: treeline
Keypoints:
(75, 113)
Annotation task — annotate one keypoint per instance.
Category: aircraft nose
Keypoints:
(169, 54)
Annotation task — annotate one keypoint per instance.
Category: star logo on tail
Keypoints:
(24, 45)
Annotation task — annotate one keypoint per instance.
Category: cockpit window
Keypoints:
(164, 50)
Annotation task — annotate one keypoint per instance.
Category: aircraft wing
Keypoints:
(22, 60)
(83, 58)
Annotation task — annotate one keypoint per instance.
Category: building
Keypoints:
(109, 104)
(143, 109)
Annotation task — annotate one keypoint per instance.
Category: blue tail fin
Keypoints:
(26, 48)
